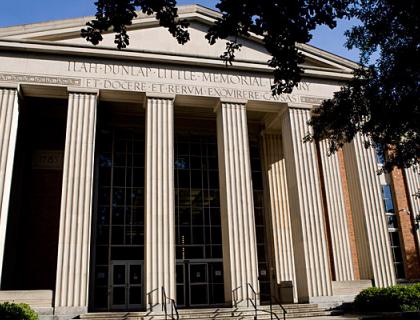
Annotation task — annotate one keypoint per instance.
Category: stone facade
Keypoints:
(285, 219)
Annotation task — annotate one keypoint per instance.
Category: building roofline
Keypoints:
(188, 12)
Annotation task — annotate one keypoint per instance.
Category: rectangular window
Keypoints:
(392, 224)
(387, 198)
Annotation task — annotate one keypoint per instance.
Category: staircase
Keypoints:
(293, 311)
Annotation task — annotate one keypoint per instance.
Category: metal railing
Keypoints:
(150, 298)
(235, 296)
(281, 306)
(254, 301)
(174, 309)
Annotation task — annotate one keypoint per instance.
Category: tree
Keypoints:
(381, 102)
(280, 23)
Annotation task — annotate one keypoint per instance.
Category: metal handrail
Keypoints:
(253, 302)
(235, 296)
(272, 313)
(165, 298)
(149, 294)
(281, 306)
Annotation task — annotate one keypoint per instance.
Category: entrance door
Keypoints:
(199, 283)
(126, 285)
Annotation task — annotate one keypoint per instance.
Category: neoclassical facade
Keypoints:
(126, 174)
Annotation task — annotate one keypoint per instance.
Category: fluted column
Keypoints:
(72, 280)
(342, 256)
(237, 204)
(306, 211)
(9, 114)
(160, 203)
(372, 239)
(275, 167)
(412, 178)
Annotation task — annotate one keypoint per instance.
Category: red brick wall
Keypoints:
(408, 241)
(349, 215)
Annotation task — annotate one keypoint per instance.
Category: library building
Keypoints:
(157, 179)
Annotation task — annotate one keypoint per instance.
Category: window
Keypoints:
(391, 217)
(393, 231)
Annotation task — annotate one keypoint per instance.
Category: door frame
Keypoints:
(189, 264)
(187, 283)
(127, 306)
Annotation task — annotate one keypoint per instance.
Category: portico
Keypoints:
(176, 175)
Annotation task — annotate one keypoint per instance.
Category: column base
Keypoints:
(333, 302)
(157, 309)
(64, 313)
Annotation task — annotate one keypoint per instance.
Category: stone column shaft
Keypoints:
(340, 242)
(372, 239)
(275, 169)
(72, 280)
(306, 211)
(237, 204)
(412, 178)
(160, 202)
(9, 114)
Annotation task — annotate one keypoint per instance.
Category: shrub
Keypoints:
(16, 311)
(392, 299)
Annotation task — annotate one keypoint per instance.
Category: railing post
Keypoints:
(247, 295)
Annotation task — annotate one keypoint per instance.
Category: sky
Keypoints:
(29, 11)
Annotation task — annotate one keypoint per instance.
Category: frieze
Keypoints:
(25, 78)
(159, 78)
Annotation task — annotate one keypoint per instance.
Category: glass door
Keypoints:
(127, 285)
(198, 284)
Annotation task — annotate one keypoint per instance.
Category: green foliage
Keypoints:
(281, 24)
(382, 102)
(16, 311)
(391, 299)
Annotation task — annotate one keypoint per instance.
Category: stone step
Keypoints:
(263, 313)
(196, 315)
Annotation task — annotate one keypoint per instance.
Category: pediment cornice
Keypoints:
(63, 37)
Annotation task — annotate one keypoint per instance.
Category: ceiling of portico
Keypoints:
(147, 36)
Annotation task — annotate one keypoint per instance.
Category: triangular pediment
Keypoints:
(147, 36)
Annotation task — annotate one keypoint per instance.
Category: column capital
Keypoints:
(224, 100)
(10, 85)
(157, 95)
(13, 86)
(299, 106)
(82, 90)
(230, 104)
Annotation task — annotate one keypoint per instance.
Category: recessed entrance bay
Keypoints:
(199, 271)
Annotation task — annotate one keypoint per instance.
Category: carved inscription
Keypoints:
(311, 100)
(183, 81)
(40, 79)
(167, 79)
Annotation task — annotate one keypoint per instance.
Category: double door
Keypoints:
(126, 285)
(199, 283)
